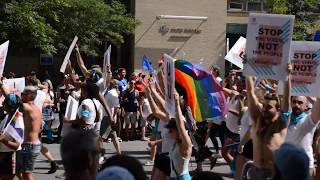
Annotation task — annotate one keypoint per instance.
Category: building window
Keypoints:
(235, 6)
(256, 5)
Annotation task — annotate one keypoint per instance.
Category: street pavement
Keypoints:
(137, 149)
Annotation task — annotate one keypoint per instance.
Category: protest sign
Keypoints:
(15, 85)
(169, 85)
(106, 63)
(72, 108)
(237, 52)
(305, 76)
(67, 57)
(3, 56)
(268, 45)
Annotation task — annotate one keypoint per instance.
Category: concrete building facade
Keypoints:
(199, 41)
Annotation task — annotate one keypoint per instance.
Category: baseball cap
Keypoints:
(115, 173)
(292, 162)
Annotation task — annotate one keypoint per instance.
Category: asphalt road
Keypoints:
(136, 149)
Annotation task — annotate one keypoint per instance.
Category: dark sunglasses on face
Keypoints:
(297, 102)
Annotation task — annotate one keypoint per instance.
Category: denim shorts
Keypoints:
(30, 152)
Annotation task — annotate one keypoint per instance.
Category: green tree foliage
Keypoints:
(306, 15)
(50, 25)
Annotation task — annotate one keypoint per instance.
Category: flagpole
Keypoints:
(5, 129)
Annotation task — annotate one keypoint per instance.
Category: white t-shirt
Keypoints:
(40, 98)
(246, 122)
(146, 109)
(100, 84)
(112, 98)
(301, 135)
(90, 106)
(231, 119)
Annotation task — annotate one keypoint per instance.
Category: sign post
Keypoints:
(169, 85)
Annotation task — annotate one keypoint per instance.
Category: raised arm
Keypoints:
(157, 97)
(253, 102)
(80, 62)
(155, 109)
(185, 138)
(286, 103)
(315, 112)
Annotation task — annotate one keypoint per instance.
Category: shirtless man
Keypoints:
(269, 128)
(32, 121)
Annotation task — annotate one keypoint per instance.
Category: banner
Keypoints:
(72, 108)
(15, 85)
(169, 81)
(268, 45)
(106, 62)
(3, 55)
(305, 77)
(67, 57)
(237, 52)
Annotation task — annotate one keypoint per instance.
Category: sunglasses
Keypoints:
(297, 102)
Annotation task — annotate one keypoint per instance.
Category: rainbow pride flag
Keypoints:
(205, 96)
(15, 127)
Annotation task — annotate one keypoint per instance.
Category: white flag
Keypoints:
(3, 55)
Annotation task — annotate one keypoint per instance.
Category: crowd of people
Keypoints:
(262, 136)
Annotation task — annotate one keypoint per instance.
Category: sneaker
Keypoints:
(213, 161)
(119, 139)
(149, 163)
(54, 167)
(109, 140)
(101, 160)
(144, 139)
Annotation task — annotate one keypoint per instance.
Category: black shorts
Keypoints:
(248, 150)
(228, 134)
(162, 162)
(10, 163)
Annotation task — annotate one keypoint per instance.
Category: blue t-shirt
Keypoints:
(123, 85)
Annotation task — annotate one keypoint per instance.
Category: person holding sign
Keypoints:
(269, 127)
(180, 152)
(10, 149)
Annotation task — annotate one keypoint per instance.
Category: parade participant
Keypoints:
(32, 121)
(236, 108)
(180, 152)
(215, 71)
(89, 111)
(39, 102)
(10, 149)
(131, 164)
(269, 127)
(112, 99)
(94, 76)
(80, 152)
(291, 163)
(303, 125)
(145, 112)
(130, 106)
(63, 92)
(161, 169)
(122, 81)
